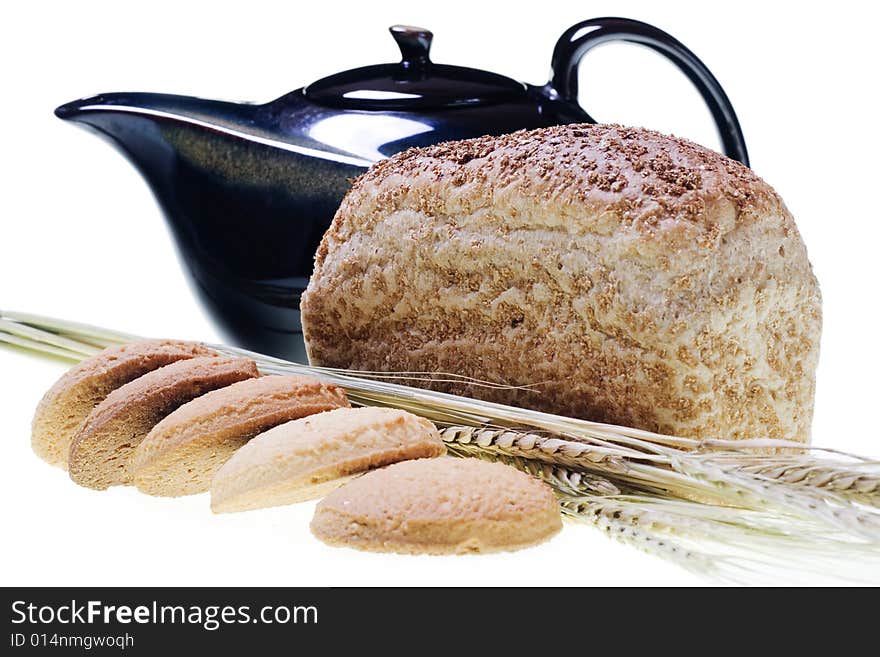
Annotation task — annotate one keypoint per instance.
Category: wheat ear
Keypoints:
(857, 482)
(671, 488)
(564, 480)
(535, 447)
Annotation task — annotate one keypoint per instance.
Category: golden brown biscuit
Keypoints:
(86, 384)
(182, 453)
(101, 450)
(303, 459)
(439, 506)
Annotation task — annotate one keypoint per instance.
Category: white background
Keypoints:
(82, 238)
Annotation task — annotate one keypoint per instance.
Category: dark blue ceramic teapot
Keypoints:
(249, 189)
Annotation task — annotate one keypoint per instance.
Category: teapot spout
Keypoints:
(140, 124)
(70, 110)
(147, 127)
(247, 195)
(149, 103)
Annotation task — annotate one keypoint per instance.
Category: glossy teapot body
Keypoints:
(249, 189)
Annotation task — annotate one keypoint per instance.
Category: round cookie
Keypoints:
(182, 453)
(439, 506)
(303, 459)
(85, 385)
(101, 450)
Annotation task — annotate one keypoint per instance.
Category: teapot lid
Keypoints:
(413, 83)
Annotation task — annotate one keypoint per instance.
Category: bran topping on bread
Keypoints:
(642, 175)
(625, 276)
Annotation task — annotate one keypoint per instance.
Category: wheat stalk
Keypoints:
(731, 545)
(762, 539)
(758, 492)
(564, 480)
(605, 518)
(596, 501)
(58, 345)
(858, 482)
(688, 477)
(665, 494)
(536, 447)
(583, 496)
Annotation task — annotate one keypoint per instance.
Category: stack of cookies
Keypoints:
(176, 418)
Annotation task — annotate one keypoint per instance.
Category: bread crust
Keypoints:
(628, 276)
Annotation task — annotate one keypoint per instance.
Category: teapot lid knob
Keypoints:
(413, 84)
(414, 44)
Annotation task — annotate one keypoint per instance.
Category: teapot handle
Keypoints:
(579, 39)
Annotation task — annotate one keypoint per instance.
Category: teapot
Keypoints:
(249, 189)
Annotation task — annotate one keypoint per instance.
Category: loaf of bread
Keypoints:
(439, 506)
(629, 277)
(182, 453)
(86, 384)
(101, 450)
(304, 459)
